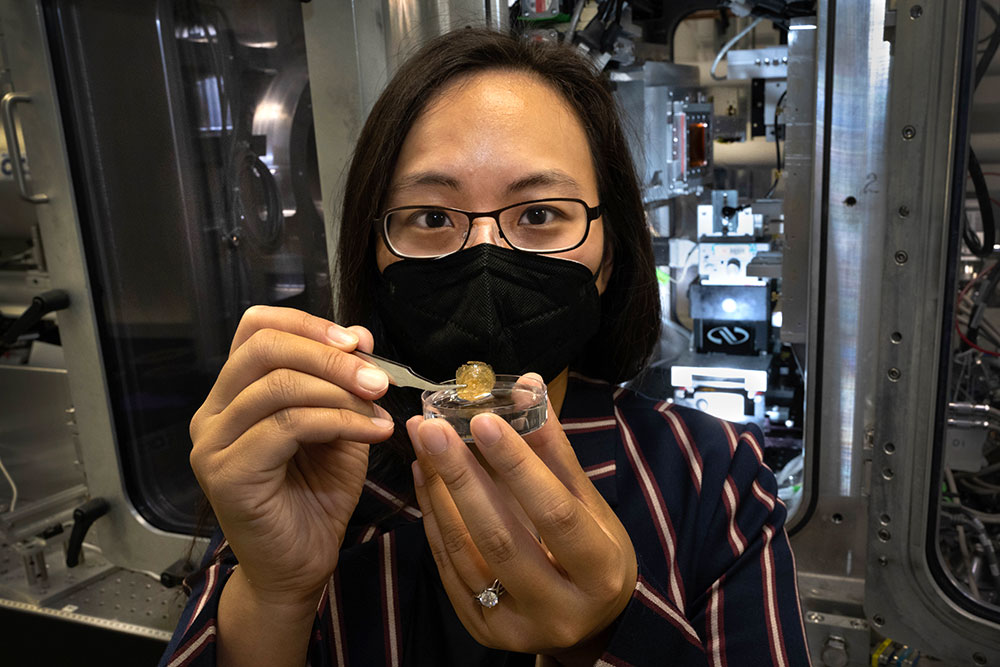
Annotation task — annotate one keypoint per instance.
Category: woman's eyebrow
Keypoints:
(548, 177)
(423, 178)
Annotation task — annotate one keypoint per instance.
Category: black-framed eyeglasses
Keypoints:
(539, 226)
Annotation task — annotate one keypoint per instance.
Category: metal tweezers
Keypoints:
(403, 376)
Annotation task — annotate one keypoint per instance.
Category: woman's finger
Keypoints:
(295, 322)
(577, 541)
(271, 442)
(286, 388)
(453, 550)
(508, 548)
(270, 349)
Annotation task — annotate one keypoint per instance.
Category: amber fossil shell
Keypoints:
(478, 378)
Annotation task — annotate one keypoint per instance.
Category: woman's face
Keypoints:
(491, 140)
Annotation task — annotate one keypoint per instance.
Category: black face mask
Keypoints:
(516, 311)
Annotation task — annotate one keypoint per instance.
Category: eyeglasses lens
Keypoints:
(541, 226)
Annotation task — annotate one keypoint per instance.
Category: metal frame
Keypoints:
(125, 538)
(927, 138)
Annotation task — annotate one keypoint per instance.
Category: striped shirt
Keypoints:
(716, 583)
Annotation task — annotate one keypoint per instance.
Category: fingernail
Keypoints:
(382, 423)
(372, 379)
(433, 439)
(341, 336)
(418, 474)
(485, 429)
(382, 412)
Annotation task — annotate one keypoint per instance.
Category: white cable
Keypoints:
(728, 45)
(13, 486)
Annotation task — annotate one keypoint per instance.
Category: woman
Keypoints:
(627, 531)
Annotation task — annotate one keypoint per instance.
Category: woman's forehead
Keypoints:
(498, 125)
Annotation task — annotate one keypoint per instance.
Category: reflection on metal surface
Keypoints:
(856, 234)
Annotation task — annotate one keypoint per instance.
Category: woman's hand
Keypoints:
(281, 447)
(563, 589)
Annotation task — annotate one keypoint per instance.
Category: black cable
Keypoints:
(779, 165)
(991, 47)
(985, 248)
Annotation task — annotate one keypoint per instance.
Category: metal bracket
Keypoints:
(10, 131)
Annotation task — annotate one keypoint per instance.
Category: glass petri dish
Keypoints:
(521, 404)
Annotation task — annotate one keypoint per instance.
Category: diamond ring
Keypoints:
(490, 595)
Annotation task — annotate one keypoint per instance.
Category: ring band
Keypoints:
(490, 596)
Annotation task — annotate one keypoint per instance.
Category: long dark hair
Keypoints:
(630, 320)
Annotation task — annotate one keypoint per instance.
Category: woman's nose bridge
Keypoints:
(484, 230)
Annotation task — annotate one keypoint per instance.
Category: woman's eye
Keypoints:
(432, 219)
(537, 216)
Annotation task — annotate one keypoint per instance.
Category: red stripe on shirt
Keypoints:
(600, 470)
(648, 595)
(748, 438)
(763, 496)
(392, 499)
(390, 599)
(657, 509)
(195, 646)
(337, 630)
(737, 542)
(776, 640)
(587, 425)
(211, 575)
(730, 437)
(715, 629)
(686, 443)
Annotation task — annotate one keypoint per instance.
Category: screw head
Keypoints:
(916, 11)
(901, 257)
(904, 211)
(883, 561)
(878, 620)
(894, 374)
(909, 132)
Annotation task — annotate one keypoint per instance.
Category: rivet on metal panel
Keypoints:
(916, 11)
(979, 658)
(904, 211)
(894, 374)
(889, 448)
(837, 517)
(901, 257)
(896, 337)
(909, 132)
(885, 519)
(883, 561)
(814, 617)
(878, 620)
(887, 473)
(884, 535)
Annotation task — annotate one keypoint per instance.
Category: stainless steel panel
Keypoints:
(37, 443)
(353, 47)
(124, 536)
(843, 240)
(923, 116)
